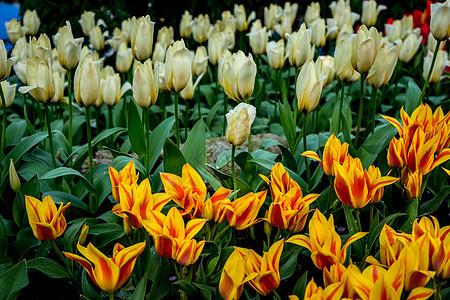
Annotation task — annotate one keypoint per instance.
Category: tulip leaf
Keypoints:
(224, 158)
(375, 233)
(194, 149)
(412, 210)
(48, 266)
(288, 260)
(70, 235)
(173, 158)
(210, 95)
(25, 240)
(158, 138)
(15, 131)
(352, 229)
(139, 292)
(63, 171)
(183, 286)
(207, 176)
(433, 205)
(13, 280)
(159, 274)
(300, 286)
(412, 97)
(207, 292)
(65, 198)
(87, 289)
(213, 113)
(3, 237)
(136, 130)
(288, 124)
(106, 233)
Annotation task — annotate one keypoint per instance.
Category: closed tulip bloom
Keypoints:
(331, 292)
(396, 156)
(126, 176)
(241, 17)
(39, 80)
(9, 91)
(291, 11)
(343, 61)
(364, 45)
(440, 20)
(83, 234)
(431, 44)
(15, 30)
(393, 31)
(87, 82)
(312, 12)
(327, 65)
(272, 15)
(46, 221)
(370, 11)
(258, 39)
(439, 65)
(216, 207)
(20, 49)
(216, 46)
(244, 210)
(186, 25)
(200, 62)
(159, 53)
(238, 76)
(283, 28)
(308, 87)
(40, 47)
(110, 90)
(165, 35)
(124, 58)
(408, 47)
(178, 66)
(14, 181)
(142, 37)
(229, 21)
(118, 38)
(318, 37)
(239, 122)
(58, 81)
(383, 66)
(109, 274)
(275, 54)
(20, 68)
(87, 22)
(5, 62)
(31, 21)
(96, 38)
(412, 183)
(200, 28)
(224, 57)
(145, 84)
(68, 48)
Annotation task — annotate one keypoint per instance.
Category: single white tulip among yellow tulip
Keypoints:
(239, 123)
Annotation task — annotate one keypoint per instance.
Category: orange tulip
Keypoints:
(215, 208)
(172, 238)
(136, 202)
(333, 151)
(188, 191)
(243, 211)
(324, 242)
(109, 274)
(127, 176)
(46, 221)
(331, 292)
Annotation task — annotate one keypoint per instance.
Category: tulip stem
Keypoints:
(69, 91)
(147, 136)
(276, 295)
(221, 233)
(437, 294)
(50, 139)
(340, 106)
(177, 272)
(305, 124)
(61, 256)
(3, 142)
(425, 85)
(199, 102)
(177, 123)
(358, 220)
(110, 124)
(233, 171)
(186, 119)
(374, 109)
(111, 295)
(88, 127)
(361, 104)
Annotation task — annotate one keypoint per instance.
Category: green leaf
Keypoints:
(375, 233)
(375, 143)
(173, 158)
(25, 241)
(433, 205)
(184, 286)
(411, 212)
(63, 171)
(287, 122)
(15, 131)
(159, 273)
(352, 229)
(106, 233)
(210, 95)
(158, 137)
(412, 97)
(136, 130)
(194, 150)
(71, 233)
(139, 292)
(3, 237)
(86, 288)
(65, 198)
(48, 266)
(300, 286)
(13, 280)
(288, 260)
(208, 176)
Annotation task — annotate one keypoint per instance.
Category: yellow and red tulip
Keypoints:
(331, 292)
(215, 208)
(412, 182)
(244, 210)
(46, 221)
(127, 176)
(108, 273)
(396, 156)
(324, 242)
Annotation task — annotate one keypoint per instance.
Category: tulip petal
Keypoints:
(311, 154)
(420, 293)
(301, 240)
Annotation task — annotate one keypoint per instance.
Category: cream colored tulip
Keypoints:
(118, 38)
(338, 7)
(160, 66)
(241, 17)
(106, 72)
(200, 62)
(40, 47)
(218, 27)
(68, 48)
(186, 25)
(258, 38)
(383, 66)
(284, 27)
(15, 30)
(200, 28)
(39, 80)
(393, 31)
(165, 35)
(5, 62)
(431, 44)
(318, 37)
(20, 68)
(188, 92)
(178, 66)
(142, 37)
(344, 32)
(87, 22)
(327, 65)
(308, 87)
(9, 91)
(290, 11)
(275, 54)
(407, 25)
(370, 11)
(229, 21)
(56, 67)
(111, 91)
(332, 29)
(343, 61)
(364, 48)
(20, 49)
(272, 15)
(85, 51)
(124, 58)
(312, 12)
(238, 76)
(225, 56)
(408, 47)
(87, 82)
(159, 53)
(125, 27)
(215, 48)
(58, 81)
(299, 47)
(145, 84)
(239, 123)
(440, 20)
(439, 65)
(31, 21)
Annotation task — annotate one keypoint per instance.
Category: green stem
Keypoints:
(340, 105)
(422, 94)
(147, 136)
(3, 142)
(199, 102)
(50, 139)
(111, 295)
(186, 119)
(61, 256)
(249, 140)
(110, 124)
(69, 91)
(276, 294)
(88, 127)
(358, 220)
(221, 233)
(233, 171)
(374, 108)
(295, 102)
(437, 294)
(305, 123)
(361, 104)
(213, 231)
(177, 123)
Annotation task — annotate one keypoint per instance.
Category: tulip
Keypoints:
(118, 38)
(109, 274)
(68, 48)
(393, 31)
(431, 44)
(172, 238)
(111, 91)
(238, 76)
(290, 11)
(165, 35)
(124, 58)
(126, 176)
(224, 57)
(318, 37)
(87, 22)
(5, 62)
(440, 20)
(145, 84)
(339, 274)
(229, 21)
(299, 47)
(159, 53)
(364, 45)
(396, 156)
(239, 122)
(9, 92)
(31, 21)
(324, 242)
(343, 61)
(310, 82)
(312, 12)
(243, 211)
(327, 65)
(96, 38)
(370, 11)
(87, 82)
(441, 258)
(216, 207)
(188, 93)
(125, 26)
(200, 28)
(258, 38)
(200, 61)
(142, 37)
(14, 181)
(39, 79)
(186, 25)
(383, 66)
(409, 47)
(272, 15)
(275, 54)
(438, 68)
(266, 268)
(83, 234)
(58, 81)
(285, 27)
(333, 291)
(413, 184)
(136, 202)
(15, 30)
(46, 221)
(241, 17)
(41, 47)
(161, 75)
(407, 26)
(20, 49)
(178, 66)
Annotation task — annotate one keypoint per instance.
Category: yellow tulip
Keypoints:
(87, 82)
(439, 65)
(145, 84)
(15, 30)
(124, 58)
(244, 210)
(343, 61)
(239, 123)
(186, 25)
(9, 92)
(308, 87)
(126, 176)
(299, 47)
(142, 37)
(275, 54)
(31, 21)
(216, 207)
(331, 292)
(68, 48)
(440, 20)
(39, 80)
(383, 66)
(178, 66)
(412, 183)
(96, 38)
(370, 11)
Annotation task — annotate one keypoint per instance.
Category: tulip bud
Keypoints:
(5, 62)
(127, 228)
(161, 75)
(14, 181)
(327, 65)
(39, 80)
(408, 47)
(407, 25)
(87, 22)
(238, 76)
(40, 47)
(343, 61)
(332, 29)
(431, 44)
(15, 30)
(58, 81)
(125, 26)
(20, 68)
(225, 56)
(272, 15)
(241, 17)
(412, 184)
(312, 12)
(396, 156)
(87, 82)
(275, 54)
(258, 38)
(318, 37)
(68, 48)
(284, 27)
(309, 86)
(118, 38)
(383, 66)
(165, 35)
(110, 90)
(393, 31)
(200, 62)
(239, 122)
(215, 47)
(299, 47)
(200, 28)
(364, 48)
(21, 49)
(440, 20)
(267, 229)
(186, 25)
(9, 92)
(83, 234)
(370, 12)
(178, 66)
(142, 37)
(290, 11)
(439, 65)
(96, 38)
(124, 58)
(159, 54)
(229, 21)
(145, 84)
(31, 21)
